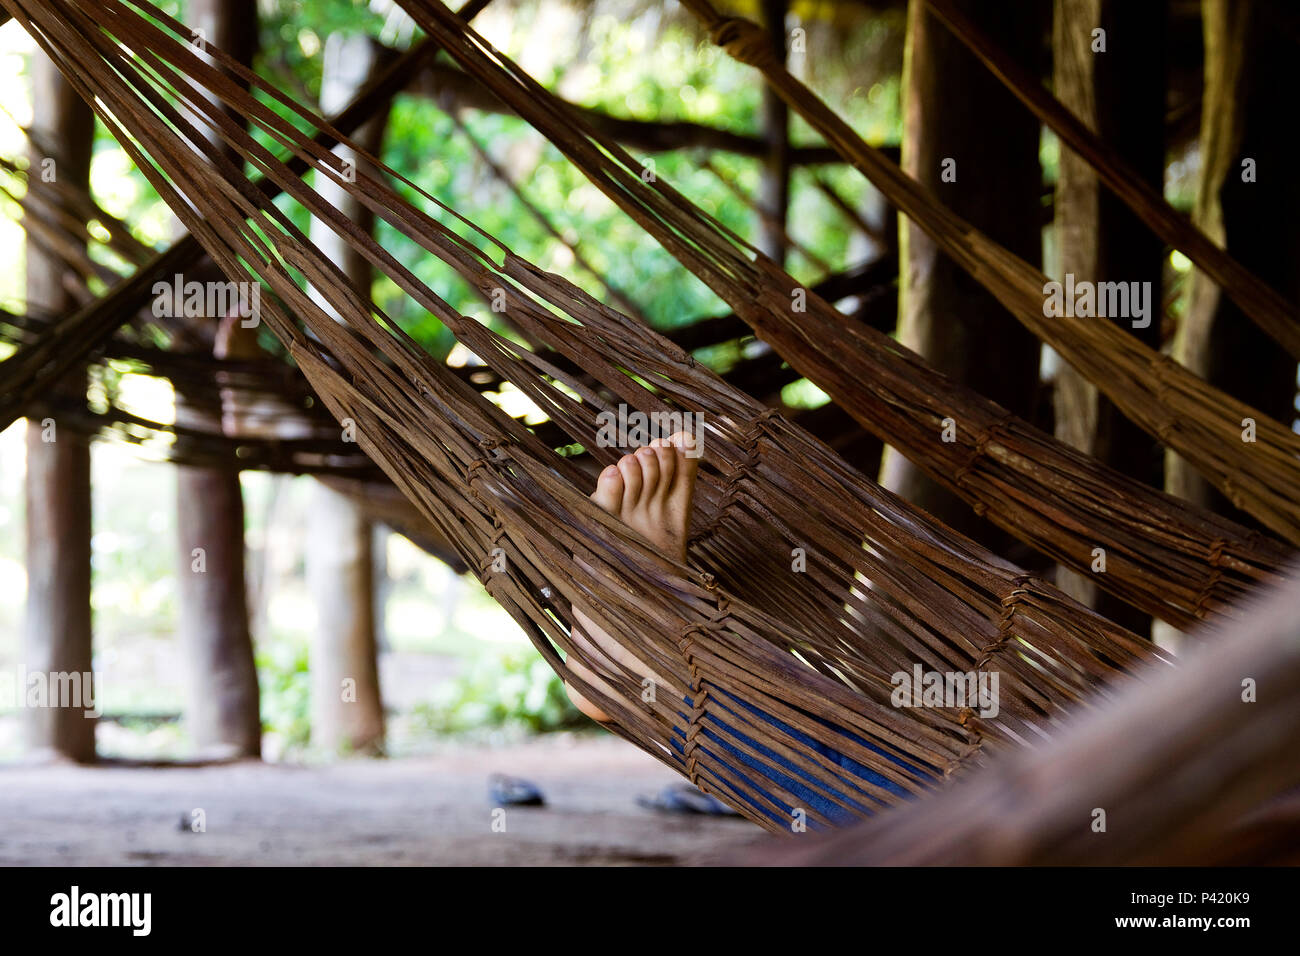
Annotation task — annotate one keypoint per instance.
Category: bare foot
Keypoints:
(651, 491)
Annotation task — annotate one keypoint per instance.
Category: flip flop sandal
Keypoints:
(514, 792)
(686, 799)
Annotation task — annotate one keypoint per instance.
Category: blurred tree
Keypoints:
(57, 631)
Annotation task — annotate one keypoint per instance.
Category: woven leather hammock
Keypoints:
(775, 691)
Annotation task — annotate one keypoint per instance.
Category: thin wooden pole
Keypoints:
(774, 183)
(1248, 201)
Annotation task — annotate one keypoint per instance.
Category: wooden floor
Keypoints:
(432, 810)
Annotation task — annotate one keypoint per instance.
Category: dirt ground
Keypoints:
(414, 811)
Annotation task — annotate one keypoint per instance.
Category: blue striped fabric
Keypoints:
(841, 807)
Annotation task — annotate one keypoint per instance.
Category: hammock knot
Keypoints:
(754, 431)
(1216, 575)
(991, 434)
(687, 639)
(487, 445)
(1019, 588)
(745, 41)
(1010, 601)
(969, 722)
(699, 690)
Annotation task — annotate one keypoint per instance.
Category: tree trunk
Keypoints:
(1248, 114)
(347, 709)
(57, 629)
(222, 710)
(1119, 94)
(959, 120)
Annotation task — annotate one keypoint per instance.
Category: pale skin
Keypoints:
(650, 490)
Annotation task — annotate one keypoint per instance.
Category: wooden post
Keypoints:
(57, 628)
(347, 708)
(1118, 92)
(774, 184)
(968, 141)
(222, 703)
(1247, 201)
(222, 708)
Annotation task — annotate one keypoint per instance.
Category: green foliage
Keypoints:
(293, 34)
(284, 679)
(133, 577)
(516, 690)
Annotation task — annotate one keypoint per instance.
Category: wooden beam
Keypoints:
(454, 89)
(875, 276)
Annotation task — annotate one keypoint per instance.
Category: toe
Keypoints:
(630, 470)
(650, 486)
(666, 455)
(689, 449)
(609, 490)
